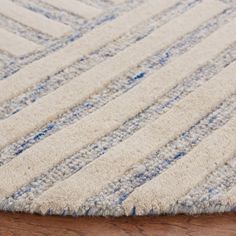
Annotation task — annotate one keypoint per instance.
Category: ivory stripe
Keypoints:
(76, 7)
(71, 94)
(164, 190)
(55, 148)
(118, 1)
(33, 20)
(229, 198)
(39, 70)
(16, 45)
(96, 175)
(212, 191)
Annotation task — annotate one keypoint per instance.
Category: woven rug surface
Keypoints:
(118, 107)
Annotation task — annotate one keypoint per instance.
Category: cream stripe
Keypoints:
(16, 45)
(118, 1)
(96, 175)
(55, 148)
(82, 87)
(76, 7)
(38, 70)
(229, 198)
(164, 190)
(33, 20)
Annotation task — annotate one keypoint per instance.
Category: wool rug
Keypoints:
(118, 107)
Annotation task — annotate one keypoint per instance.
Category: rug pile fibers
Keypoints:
(118, 107)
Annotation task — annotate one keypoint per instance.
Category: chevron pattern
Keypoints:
(118, 107)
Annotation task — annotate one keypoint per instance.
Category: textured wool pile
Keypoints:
(117, 107)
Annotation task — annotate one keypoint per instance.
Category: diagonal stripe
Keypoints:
(73, 163)
(33, 20)
(114, 193)
(43, 155)
(119, 189)
(147, 140)
(48, 107)
(118, 1)
(229, 198)
(16, 45)
(96, 38)
(212, 191)
(76, 7)
(163, 191)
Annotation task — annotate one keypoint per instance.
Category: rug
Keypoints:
(118, 107)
